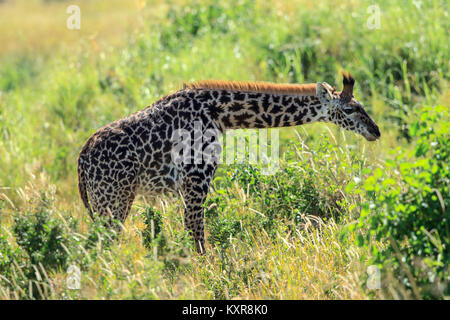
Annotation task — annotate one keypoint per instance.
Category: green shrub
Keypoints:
(409, 209)
(100, 234)
(221, 220)
(42, 238)
(288, 194)
(8, 258)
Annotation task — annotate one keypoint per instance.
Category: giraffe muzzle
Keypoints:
(373, 133)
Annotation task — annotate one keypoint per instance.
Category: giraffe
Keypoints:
(138, 154)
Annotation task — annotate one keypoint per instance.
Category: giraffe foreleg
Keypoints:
(194, 222)
(194, 192)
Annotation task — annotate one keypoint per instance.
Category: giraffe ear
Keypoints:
(348, 82)
(323, 92)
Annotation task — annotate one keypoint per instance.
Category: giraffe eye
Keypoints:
(349, 110)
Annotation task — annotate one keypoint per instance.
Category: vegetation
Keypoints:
(337, 204)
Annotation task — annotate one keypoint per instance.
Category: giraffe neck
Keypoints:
(239, 110)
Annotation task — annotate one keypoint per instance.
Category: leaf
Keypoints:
(360, 240)
(388, 182)
(390, 163)
(350, 187)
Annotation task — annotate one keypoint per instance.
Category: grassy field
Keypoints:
(337, 205)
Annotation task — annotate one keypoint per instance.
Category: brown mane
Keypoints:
(249, 86)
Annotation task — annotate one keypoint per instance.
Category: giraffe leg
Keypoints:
(194, 219)
(116, 206)
(194, 194)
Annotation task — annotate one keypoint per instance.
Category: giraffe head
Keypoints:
(344, 110)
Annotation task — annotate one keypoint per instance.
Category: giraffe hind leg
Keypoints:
(114, 208)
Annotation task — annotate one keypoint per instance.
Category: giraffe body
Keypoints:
(135, 155)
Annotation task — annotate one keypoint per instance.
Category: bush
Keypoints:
(42, 238)
(289, 194)
(412, 215)
(8, 258)
(46, 245)
(221, 221)
(100, 233)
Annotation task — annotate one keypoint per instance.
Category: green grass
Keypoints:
(274, 237)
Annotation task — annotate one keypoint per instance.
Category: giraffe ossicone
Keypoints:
(173, 145)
